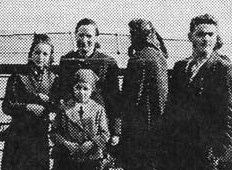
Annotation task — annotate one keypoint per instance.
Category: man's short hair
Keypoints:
(87, 21)
(202, 19)
(206, 19)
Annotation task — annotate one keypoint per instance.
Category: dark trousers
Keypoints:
(66, 163)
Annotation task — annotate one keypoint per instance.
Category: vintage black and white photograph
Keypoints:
(115, 85)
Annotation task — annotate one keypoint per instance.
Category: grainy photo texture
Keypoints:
(123, 85)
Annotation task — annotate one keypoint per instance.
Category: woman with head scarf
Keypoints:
(144, 96)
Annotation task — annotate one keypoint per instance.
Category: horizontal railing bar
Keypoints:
(20, 34)
(113, 34)
(111, 52)
(4, 76)
(22, 52)
(2, 123)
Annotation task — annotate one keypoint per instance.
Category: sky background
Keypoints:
(170, 17)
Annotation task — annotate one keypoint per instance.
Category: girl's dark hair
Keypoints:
(41, 38)
(206, 19)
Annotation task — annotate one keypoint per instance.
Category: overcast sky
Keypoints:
(170, 17)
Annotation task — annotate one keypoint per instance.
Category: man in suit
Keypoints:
(198, 115)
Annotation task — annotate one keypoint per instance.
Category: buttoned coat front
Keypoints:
(198, 115)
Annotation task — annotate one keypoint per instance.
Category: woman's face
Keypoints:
(41, 54)
(82, 92)
(86, 39)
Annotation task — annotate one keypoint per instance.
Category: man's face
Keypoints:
(86, 39)
(204, 38)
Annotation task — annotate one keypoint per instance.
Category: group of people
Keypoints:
(154, 123)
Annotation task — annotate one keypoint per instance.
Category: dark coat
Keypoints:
(26, 146)
(144, 95)
(107, 89)
(198, 122)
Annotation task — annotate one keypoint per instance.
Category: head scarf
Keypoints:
(143, 34)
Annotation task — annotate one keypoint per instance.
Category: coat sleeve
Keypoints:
(11, 103)
(159, 67)
(112, 96)
(223, 141)
(103, 133)
(162, 82)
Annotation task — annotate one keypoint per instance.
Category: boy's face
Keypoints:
(86, 39)
(204, 38)
(41, 54)
(82, 92)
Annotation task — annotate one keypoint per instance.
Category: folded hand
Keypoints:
(37, 109)
(44, 97)
(115, 140)
(72, 147)
(86, 146)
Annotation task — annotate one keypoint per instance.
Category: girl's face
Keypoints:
(82, 92)
(41, 54)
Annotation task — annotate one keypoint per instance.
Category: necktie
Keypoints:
(189, 69)
(81, 112)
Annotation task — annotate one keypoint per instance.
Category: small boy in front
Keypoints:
(81, 128)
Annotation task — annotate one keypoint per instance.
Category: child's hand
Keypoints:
(86, 146)
(72, 147)
(114, 140)
(37, 109)
(44, 97)
(66, 105)
(62, 104)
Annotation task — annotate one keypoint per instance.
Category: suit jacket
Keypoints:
(91, 126)
(198, 113)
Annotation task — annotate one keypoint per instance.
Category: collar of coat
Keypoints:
(73, 55)
(214, 59)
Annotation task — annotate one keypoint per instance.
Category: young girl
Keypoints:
(81, 130)
(27, 101)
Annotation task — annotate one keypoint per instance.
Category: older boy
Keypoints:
(199, 110)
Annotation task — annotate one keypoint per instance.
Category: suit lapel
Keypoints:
(204, 75)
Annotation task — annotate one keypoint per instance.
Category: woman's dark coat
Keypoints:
(26, 146)
(143, 96)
